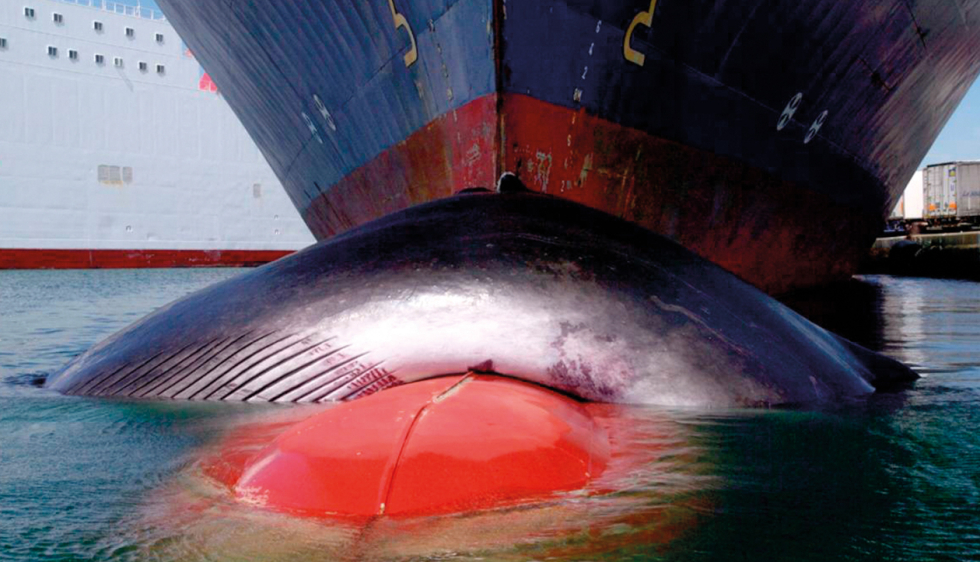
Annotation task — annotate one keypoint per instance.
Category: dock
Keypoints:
(954, 255)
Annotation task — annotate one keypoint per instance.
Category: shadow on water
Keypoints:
(851, 309)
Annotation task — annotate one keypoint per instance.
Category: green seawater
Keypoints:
(895, 477)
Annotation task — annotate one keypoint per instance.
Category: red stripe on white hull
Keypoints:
(125, 259)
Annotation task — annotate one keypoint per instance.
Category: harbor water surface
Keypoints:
(894, 477)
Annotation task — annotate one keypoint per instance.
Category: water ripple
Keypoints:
(893, 477)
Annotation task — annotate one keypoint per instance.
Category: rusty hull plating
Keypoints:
(770, 138)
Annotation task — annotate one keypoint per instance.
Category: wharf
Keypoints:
(947, 255)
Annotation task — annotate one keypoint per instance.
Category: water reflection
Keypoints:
(930, 324)
(894, 477)
(848, 484)
(651, 493)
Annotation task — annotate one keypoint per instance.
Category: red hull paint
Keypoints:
(124, 259)
(454, 151)
(773, 233)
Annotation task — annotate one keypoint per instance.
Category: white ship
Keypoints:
(116, 149)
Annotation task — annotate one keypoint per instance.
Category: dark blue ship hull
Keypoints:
(771, 138)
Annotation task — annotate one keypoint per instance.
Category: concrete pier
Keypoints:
(949, 255)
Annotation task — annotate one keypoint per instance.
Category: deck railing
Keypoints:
(136, 11)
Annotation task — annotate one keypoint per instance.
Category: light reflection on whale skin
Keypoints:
(527, 286)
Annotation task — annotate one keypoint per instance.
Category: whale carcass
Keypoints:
(525, 285)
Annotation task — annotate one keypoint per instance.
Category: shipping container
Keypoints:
(909, 206)
(951, 193)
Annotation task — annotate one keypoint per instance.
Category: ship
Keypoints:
(770, 138)
(119, 151)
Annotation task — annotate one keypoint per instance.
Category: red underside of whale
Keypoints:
(445, 445)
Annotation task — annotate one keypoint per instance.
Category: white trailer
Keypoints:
(909, 206)
(951, 193)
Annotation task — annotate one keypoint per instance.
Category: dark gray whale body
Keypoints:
(529, 286)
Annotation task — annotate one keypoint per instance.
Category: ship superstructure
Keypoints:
(117, 150)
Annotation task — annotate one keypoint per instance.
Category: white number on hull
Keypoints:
(314, 132)
(323, 112)
(791, 108)
(400, 21)
(644, 18)
(815, 127)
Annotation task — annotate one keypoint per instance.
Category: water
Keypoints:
(896, 477)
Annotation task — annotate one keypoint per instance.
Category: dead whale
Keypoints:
(525, 285)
